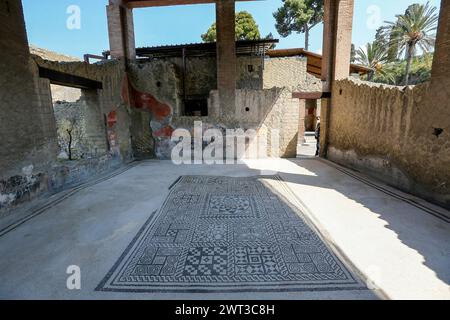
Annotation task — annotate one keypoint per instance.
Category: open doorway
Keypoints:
(79, 123)
(309, 119)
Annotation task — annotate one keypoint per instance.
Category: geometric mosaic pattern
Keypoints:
(227, 234)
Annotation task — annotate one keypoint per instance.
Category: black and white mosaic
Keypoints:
(219, 234)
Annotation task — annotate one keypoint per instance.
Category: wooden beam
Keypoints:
(68, 80)
(311, 68)
(164, 3)
(315, 61)
(311, 95)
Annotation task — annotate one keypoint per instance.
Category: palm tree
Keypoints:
(415, 28)
(373, 56)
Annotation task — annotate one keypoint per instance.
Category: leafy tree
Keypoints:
(380, 37)
(373, 56)
(353, 54)
(246, 28)
(270, 37)
(413, 29)
(394, 72)
(383, 39)
(298, 16)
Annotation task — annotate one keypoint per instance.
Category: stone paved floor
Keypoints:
(401, 250)
(228, 234)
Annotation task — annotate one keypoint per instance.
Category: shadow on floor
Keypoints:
(406, 222)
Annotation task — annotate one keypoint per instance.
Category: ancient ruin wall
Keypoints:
(28, 163)
(400, 135)
(284, 72)
(159, 87)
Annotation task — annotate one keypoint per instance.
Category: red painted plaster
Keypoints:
(112, 119)
(164, 132)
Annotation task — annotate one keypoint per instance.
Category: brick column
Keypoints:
(343, 38)
(440, 80)
(301, 121)
(337, 42)
(226, 56)
(328, 42)
(121, 31)
(337, 39)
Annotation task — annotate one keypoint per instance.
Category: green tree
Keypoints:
(373, 56)
(270, 37)
(246, 28)
(415, 28)
(380, 37)
(383, 39)
(298, 16)
(394, 72)
(353, 54)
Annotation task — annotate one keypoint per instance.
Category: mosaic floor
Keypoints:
(222, 234)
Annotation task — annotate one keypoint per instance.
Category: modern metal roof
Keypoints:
(243, 47)
(314, 60)
(161, 3)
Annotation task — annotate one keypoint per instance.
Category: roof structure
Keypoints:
(162, 3)
(243, 47)
(314, 66)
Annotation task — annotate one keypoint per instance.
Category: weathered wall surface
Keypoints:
(23, 138)
(290, 73)
(28, 150)
(271, 113)
(104, 102)
(201, 75)
(249, 73)
(158, 89)
(400, 135)
(61, 93)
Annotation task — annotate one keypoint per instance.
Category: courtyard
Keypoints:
(393, 245)
(241, 167)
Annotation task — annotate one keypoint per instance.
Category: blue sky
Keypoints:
(46, 23)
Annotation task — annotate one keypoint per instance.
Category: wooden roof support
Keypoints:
(69, 80)
(163, 3)
(315, 95)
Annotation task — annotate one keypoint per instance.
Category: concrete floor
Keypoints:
(402, 251)
(306, 147)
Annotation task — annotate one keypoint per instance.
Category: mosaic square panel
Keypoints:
(220, 234)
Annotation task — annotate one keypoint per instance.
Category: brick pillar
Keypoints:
(440, 80)
(121, 31)
(328, 43)
(301, 121)
(337, 42)
(343, 38)
(226, 56)
(337, 39)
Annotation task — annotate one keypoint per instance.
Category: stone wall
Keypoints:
(158, 87)
(103, 102)
(271, 113)
(200, 77)
(398, 134)
(28, 148)
(122, 122)
(61, 93)
(284, 72)
(249, 73)
(25, 112)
